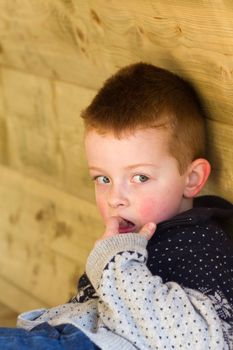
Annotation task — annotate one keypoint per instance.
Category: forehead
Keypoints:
(142, 145)
(141, 136)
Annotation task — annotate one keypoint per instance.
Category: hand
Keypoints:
(112, 229)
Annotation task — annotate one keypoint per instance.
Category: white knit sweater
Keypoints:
(134, 309)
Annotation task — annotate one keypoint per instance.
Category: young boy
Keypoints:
(161, 276)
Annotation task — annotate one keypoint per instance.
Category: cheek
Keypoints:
(147, 209)
(162, 208)
(101, 205)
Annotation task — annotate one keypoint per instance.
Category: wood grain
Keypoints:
(84, 42)
(54, 56)
(42, 132)
(7, 316)
(46, 235)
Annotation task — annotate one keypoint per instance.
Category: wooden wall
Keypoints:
(54, 55)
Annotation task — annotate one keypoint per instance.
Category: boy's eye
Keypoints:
(101, 179)
(140, 178)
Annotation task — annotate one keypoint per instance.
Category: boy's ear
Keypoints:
(197, 175)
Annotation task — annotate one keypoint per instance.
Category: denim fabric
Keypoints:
(45, 337)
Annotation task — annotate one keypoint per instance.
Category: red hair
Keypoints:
(144, 96)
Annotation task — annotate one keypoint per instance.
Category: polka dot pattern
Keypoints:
(198, 257)
(176, 292)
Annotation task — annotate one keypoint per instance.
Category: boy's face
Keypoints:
(135, 178)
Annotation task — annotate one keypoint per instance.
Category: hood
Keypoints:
(213, 206)
(205, 208)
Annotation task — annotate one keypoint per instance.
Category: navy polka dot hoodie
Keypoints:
(173, 292)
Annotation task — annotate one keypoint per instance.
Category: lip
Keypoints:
(127, 228)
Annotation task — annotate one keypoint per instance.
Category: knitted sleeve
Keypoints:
(85, 291)
(141, 308)
(81, 310)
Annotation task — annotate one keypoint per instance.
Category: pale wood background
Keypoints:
(8, 316)
(54, 55)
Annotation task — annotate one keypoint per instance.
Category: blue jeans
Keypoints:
(45, 337)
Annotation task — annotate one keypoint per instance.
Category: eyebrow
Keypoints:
(139, 165)
(133, 166)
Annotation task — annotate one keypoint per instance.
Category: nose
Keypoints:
(117, 197)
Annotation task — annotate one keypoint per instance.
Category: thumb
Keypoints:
(112, 226)
(148, 230)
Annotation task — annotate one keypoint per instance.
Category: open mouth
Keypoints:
(126, 226)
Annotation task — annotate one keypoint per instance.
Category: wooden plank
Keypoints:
(84, 42)
(43, 131)
(3, 133)
(46, 235)
(19, 299)
(7, 316)
(221, 158)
